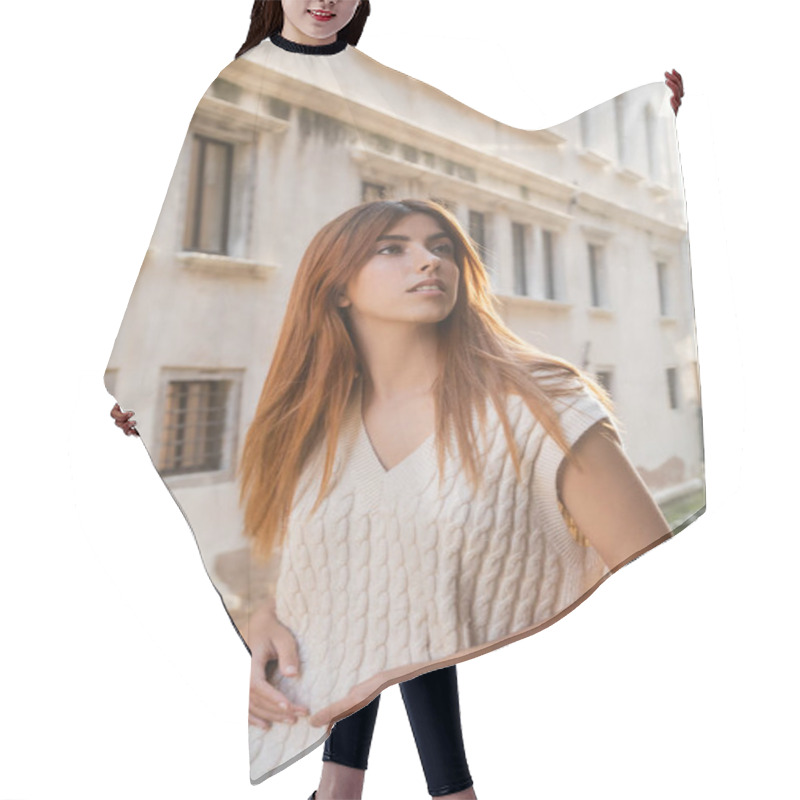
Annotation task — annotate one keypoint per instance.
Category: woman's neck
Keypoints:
(279, 40)
(398, 365)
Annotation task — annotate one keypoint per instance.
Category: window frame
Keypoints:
(226, 471)
(550, 288)
(520, 236)
(598, 275)
(481, 244)
(665, 300)
(673, 390)
(194, 195)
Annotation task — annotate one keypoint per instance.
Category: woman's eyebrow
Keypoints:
(395, 237)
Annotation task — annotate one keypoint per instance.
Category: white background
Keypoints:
(120, 674)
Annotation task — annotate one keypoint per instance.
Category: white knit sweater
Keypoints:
(392, 571)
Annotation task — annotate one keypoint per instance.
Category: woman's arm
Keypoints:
(607, 499)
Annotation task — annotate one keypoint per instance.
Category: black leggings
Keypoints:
(432, 706)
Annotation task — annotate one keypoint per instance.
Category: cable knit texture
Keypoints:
(392, 570)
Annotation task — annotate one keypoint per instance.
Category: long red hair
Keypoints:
(316, 364)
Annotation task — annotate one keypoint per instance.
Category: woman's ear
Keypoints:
(342, 300)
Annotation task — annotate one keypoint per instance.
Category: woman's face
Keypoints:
(315, 22)
(416, 249)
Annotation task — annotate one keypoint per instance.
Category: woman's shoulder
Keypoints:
(562, 396)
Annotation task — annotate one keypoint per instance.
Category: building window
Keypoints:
(672, 386)
(519, 234)
(279, 108)
(209, 208)
(597, 276)
(195, 426)
(604, 378)
(663, 289)
(410, 153)
(549, 265)
(373, 191)
(477, 232)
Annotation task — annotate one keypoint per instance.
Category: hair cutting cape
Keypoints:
(583, 232)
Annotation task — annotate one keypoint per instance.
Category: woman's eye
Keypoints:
(389, 249)
(447, 249)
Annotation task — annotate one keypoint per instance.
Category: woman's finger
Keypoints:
(271, 712)
(674, 81)
(267, 695)
(278, 708)
(674, 88)
(286, 649)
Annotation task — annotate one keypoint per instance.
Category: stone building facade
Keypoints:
(582, 227)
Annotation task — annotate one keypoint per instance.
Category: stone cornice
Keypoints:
(451, 185)
(608, 208)
(255, 78)
(222, 266)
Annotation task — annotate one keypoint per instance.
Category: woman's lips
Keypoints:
(322, 16)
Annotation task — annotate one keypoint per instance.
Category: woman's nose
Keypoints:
(424, 258)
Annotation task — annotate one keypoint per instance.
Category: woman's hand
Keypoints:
(269, 640)
(675, 82)
(124, 420)
(607, 499)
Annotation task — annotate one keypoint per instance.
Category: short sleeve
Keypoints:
(577, 414)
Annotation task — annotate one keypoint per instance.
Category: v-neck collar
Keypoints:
(368, 446)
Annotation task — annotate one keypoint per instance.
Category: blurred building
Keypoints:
(582, 227)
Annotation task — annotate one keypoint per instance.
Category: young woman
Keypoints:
(314, 29)
(389, 354)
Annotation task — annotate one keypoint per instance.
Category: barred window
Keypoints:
(208, 213)
(193, 436)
